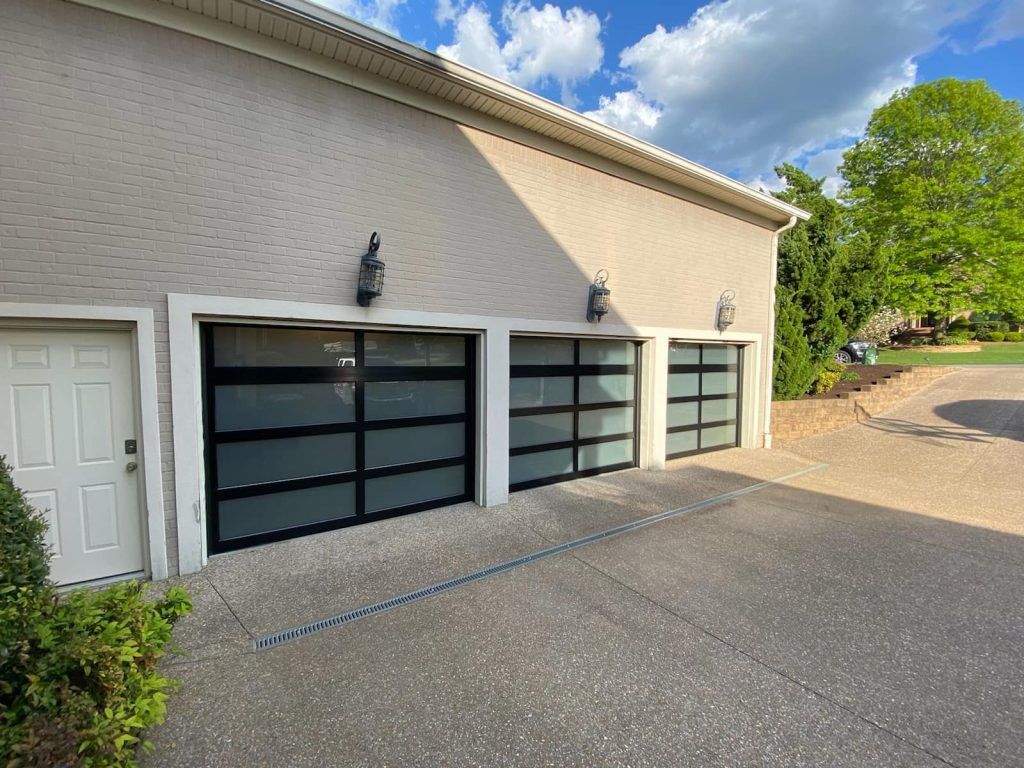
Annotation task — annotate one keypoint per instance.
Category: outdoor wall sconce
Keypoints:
(371, 274)
(600, 297)
(726, 309)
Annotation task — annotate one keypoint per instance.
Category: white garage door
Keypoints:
(67, 409)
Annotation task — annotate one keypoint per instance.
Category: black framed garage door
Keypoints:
(703, 398)
(572, 408)
(310, 429)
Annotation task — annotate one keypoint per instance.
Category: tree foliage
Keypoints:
(828, 285)
(938, 183)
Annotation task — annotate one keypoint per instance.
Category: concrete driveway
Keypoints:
(867, 613)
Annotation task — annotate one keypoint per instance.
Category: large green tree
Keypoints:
(828, 285)
(938, 183)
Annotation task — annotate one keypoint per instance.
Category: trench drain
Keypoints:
(304, 630)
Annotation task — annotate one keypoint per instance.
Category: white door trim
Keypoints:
(186, 310)
(144, 342)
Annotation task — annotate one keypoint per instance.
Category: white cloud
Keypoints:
(376, 13)
(747, 84)
(825, 164)
(540, 45)
(1008, 24)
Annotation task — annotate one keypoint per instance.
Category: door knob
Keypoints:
(131, 466)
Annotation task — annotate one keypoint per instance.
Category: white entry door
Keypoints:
(67, 409)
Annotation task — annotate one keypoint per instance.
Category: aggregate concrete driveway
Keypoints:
(869, 613)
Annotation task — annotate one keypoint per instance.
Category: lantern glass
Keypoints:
(726, 316)
(371, 278)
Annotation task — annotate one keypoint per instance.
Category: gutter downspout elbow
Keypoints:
(770, 346)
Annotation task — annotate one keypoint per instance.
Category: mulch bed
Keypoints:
(869, 374)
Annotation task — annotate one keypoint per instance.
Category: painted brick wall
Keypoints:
(138, 161)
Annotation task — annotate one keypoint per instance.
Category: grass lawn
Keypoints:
(991, 353)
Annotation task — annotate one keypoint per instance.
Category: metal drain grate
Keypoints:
(287, 635)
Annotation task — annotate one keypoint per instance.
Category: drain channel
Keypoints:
(294, 633)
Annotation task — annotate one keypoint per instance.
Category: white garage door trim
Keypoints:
(140, 321)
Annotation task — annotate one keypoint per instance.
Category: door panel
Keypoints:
(66, 407)
(703, 398)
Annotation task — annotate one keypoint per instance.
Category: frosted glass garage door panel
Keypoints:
(528, 351)
(603, 352)
(680, 442)
(605, 454)
(289, 509)
(256, 406)
(536, 430)
(262, 461)
(389, 349)
(715, 354)
(683, 414)
(607, 421)
(408, 399)
(389, 447)
(683, 384)
(399, 490)
(270, 346)
(712, 437)
(531, 392)
(683, 354)
(535, 466)
(606, 388)
(718, 410)
(718, 383)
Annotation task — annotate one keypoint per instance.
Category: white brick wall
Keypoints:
(137, 161)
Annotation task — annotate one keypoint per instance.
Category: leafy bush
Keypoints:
(831, 374)
(882, 327)
(991, 336)
(983, 326)
(959, 325)
(78, 679)
(848, 376)
(952, 339)
(1013, 336)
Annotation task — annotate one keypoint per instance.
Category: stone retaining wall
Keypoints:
(794, 419)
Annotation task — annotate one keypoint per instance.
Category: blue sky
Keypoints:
(737, 85)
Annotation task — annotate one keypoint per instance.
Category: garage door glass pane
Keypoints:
(679, 442)
(718, 410)
(538, 429)
(407, 399)
(531, 392)
(720, 354)
(255, 406)
(601, 352)
(718, 383)
(414, 350)
(289, 509)
(527, 351)
(682, 414)
(683, 384)
(263, 461)
(683, 354)
(607, 388)
(414, 487)
(605, 454)
(387, 447)
(275, 347)
(534, 466)
(714, 436)
(607, 421)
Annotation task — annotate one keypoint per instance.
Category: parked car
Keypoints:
(854, 351)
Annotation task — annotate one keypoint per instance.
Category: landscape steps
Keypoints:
(795, 419)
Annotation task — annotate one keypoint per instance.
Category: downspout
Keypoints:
(770, 346)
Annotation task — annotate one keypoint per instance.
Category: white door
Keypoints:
(66, 409)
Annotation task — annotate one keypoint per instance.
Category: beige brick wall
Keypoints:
(138, 161)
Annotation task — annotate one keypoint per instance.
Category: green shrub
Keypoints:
(983, 326)
(958, 325)
(848, 376)
(1013, 336)
(992, 336)
(78, 679)
(952, 339)
(830, 375)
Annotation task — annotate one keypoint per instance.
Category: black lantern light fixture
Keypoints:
(600, 297)
(371, 274)
(726, 309)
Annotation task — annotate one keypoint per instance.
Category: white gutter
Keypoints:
(770, 346)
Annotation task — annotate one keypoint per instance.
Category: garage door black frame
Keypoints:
(358, 375)
(576, 370)
(700, 369)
